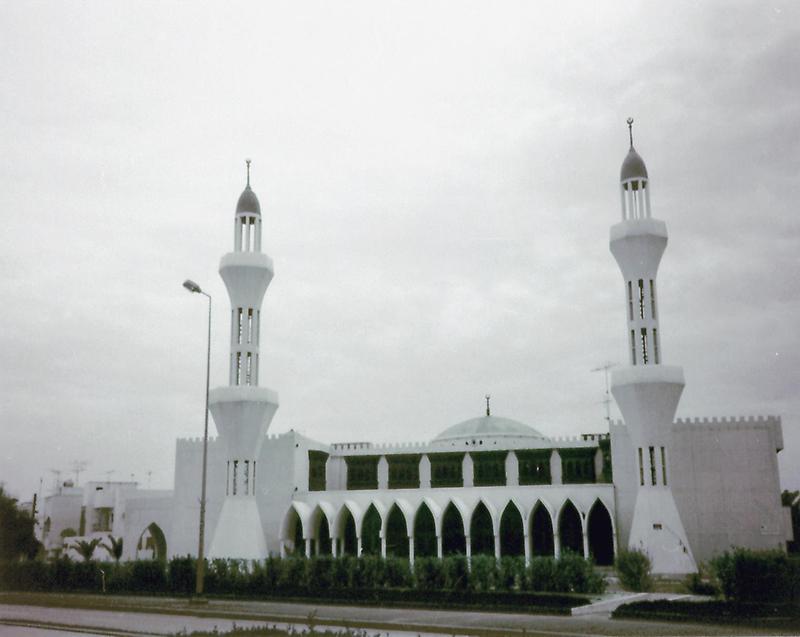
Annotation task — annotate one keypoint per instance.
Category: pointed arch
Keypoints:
(152, 544)
(601, 534)
(371, 531)
(344, 531)
(396, 533)
(454, 539)
(481, 530)
(512, 532)
(570, 528)
(541, 530)
(302, 511)
(424, 532)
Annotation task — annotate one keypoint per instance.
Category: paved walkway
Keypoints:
(158, 615)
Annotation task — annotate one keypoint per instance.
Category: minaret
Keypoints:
(646, 391)
(243, 411)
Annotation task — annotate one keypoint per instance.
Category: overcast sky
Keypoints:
(437, 181)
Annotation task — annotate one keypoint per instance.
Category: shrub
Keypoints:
(428, 573)
(574, 574)
(633, 568)
(757, 576)
(511, 573)
(148, 575)
(181, 573)
(396, 572)
(318, 573)
(456, 574)
(482, 574)
(541, 574)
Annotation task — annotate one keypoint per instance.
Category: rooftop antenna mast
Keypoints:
(79, 466)
(604, 368)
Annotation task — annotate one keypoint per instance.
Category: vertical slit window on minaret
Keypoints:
(644, 346)
(254, 476)
(238, 368)
(235, 475)
(630, 300)
(250, 325)
(641, 298)
(664, 465)
(239, 326)
(249, 369)
(652, 299)
(633, 347)
(228, 478)
(247, 477)
(655, 345)
(652, 465)
(641, 467)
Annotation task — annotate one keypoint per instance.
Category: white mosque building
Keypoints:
(681, 490)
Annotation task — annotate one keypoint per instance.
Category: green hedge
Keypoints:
(758, 576)
(315, 577)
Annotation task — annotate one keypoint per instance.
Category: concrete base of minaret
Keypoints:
(657, 530)
(239, 532)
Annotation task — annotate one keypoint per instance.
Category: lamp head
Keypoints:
(191, 286)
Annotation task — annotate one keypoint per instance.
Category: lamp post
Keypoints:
(193, 287)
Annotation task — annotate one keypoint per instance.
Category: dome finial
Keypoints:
(247, 161)
(630, 130)
(488, 410)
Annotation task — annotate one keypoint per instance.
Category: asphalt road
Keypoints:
(160, 616)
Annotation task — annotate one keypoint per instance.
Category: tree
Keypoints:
(17, 539)
(113, 547)
(86, 548)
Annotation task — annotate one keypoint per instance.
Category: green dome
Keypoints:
(488, 427)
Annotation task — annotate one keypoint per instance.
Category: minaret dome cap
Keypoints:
(248, 202)
(633, 167)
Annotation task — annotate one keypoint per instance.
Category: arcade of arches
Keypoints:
(395, 533)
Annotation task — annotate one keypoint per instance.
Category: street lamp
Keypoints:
(193, 287)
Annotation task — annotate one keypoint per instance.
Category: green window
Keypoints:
(362, 472)
(316, 470)
(447, 469)
(404, 471)
(489, 468)
(534, 466)
(577, 465)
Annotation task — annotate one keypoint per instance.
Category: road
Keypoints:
(129, 615)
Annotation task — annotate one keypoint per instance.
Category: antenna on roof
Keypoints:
(247, 161)
(604, 368)
(488, 410)
(630, 130)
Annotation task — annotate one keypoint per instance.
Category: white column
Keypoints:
(383, 546)
(527, 549)
(358, 547)
(439, 552)
(585, 543)
(411, 550)
(497, 547)
(283, 549)
(335, 546)
(308, 547)
(556, 544)
(469, 551)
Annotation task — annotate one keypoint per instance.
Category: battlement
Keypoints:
(732, 421)
(190, 442)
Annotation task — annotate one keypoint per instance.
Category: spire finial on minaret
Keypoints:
(630, 130)
(247, 161)
(488, 410)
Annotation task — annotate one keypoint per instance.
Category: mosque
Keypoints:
(681, 490)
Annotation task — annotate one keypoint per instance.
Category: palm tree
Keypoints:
(86, 549)
(113, 548)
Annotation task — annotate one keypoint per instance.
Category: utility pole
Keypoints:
(607, 398)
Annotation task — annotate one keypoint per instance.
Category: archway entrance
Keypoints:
(396, 533)
(424, 533)
(570, 532)
(481, 532)
(512, 538)
(453, 540)
(541, 532)
(601, 535)
(371, 532)
(348, 542)
(152, 544)
(323, 536)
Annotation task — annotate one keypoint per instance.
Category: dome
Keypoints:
(488, 426)
(633, 167)
(248, 202)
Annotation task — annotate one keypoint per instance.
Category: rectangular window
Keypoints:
(254, 477)
(403, 471)
(633, 347)
(644, 346)
(652, 465)
(228, 479)
(655, 345)
(641, 298)
(316, 470)
(250, 325)
(238, 368)
(652, 299)
(249, 369)
(630, 301)
(641, 467)
(239, 327)
(664, 465)
(235, 475)
(247, 477)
